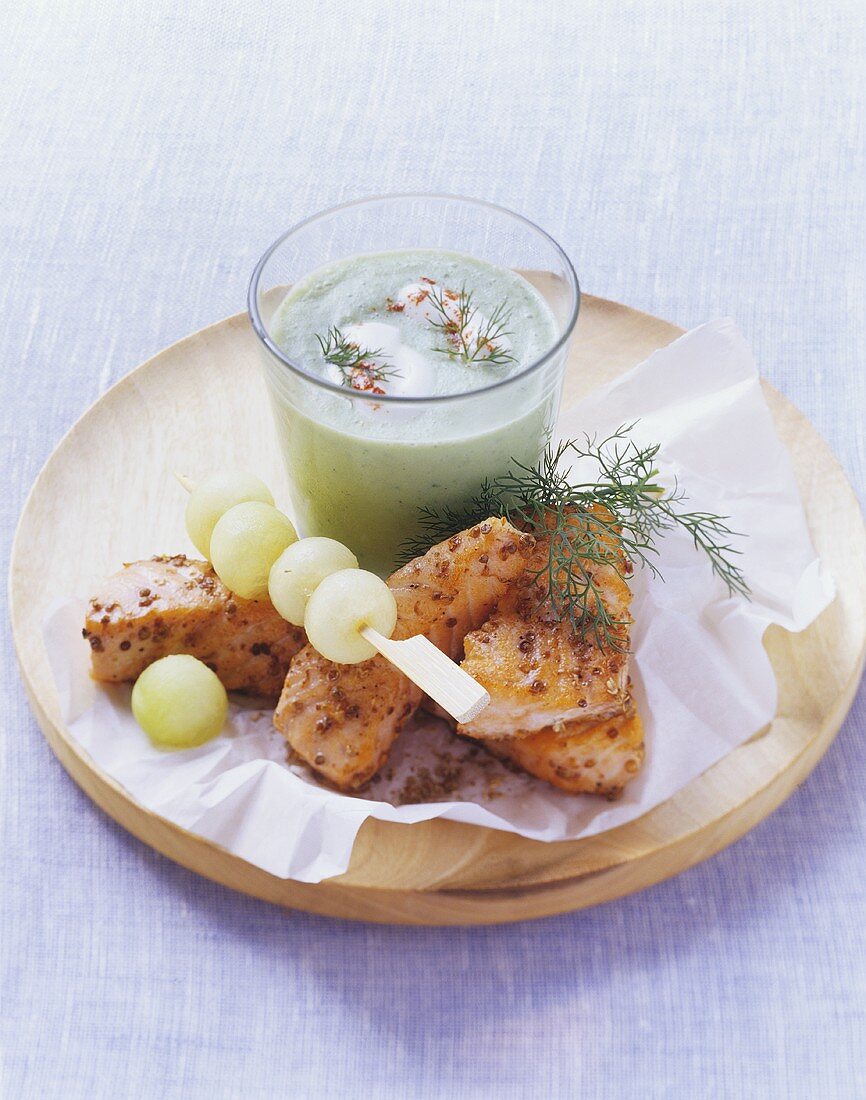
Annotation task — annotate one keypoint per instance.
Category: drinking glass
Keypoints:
(361, 465)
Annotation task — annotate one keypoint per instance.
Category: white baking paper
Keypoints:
(703, 682)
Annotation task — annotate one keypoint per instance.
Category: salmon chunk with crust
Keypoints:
(167, 605)
(537, 670)
(342, 719)
(581, 757)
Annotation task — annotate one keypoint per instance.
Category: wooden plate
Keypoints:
(106, 495)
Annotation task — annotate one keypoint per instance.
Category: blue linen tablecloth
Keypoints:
(695, 160)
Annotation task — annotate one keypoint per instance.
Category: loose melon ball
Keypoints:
(179, 702)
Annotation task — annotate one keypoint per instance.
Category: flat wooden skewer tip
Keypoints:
(436, 674)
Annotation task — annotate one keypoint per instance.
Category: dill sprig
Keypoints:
(612, 521)
(354, 362)
(455, 325)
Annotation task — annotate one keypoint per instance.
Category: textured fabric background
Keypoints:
(695, 159)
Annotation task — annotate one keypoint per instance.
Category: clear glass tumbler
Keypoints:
(361, 478)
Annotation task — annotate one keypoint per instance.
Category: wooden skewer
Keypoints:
(437, 675)
(428, 667)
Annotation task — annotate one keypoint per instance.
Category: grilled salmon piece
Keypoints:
(581, 757)
(537, 670)
(343, 719)
(458, 583)
(174, 605)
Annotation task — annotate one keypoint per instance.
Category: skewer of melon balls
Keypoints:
(348, 613)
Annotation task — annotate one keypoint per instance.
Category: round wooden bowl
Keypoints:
(106, 495)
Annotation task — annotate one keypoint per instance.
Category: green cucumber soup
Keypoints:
(396, 413)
